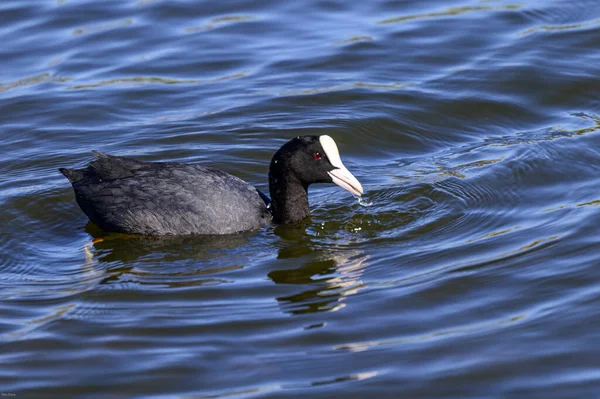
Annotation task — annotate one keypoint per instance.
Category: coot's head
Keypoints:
(311, 159)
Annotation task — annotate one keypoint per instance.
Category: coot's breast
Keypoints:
(171, 198)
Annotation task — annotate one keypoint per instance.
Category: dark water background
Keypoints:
(473, 126)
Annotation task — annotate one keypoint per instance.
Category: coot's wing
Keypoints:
(122, 194)
(105, 167)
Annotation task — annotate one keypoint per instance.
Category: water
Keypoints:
(473, 127)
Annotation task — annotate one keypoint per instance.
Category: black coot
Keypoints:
(169, 198)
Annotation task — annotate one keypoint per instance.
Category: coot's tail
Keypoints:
(72, 174)
(75, 175)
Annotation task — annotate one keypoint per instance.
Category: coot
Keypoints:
(171, 198)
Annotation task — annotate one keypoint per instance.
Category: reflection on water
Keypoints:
(326, 278)
(168, 261)
(127, 248)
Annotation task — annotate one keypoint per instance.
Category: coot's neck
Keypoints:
(289, 196)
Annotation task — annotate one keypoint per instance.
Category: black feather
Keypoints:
(72, 174)
(171, 198)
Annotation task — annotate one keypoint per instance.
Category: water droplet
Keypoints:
(363, 202)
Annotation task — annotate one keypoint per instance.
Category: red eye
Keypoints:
(316, 156)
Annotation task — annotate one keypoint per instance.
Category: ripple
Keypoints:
(351, 377)
(147, 2)
(476, 328)
(495, 234)
(30, 326)
(449, 13)
(142, 81)
(20, 281)
(173, 280)
(219, 22)
(555, 14)
(336, 88)
(564, 27)
(354, 39)
(102, 27)
(32, 81)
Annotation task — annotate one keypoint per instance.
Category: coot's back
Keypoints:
(165, 198)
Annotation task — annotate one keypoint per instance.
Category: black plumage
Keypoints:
(171, 198)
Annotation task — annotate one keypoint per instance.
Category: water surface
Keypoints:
(473, 126)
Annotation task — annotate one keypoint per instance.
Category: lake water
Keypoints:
(474, 127)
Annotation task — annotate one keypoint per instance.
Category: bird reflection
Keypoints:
(124, 254)
(325, 272)
(327, 275)
(111, 247)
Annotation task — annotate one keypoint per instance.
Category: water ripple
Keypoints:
(141, 81)
(32, 81)
(564, 27)
(102, 27)
(216, 23)
(449, 13)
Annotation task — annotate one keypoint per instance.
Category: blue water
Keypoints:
(473, 127)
